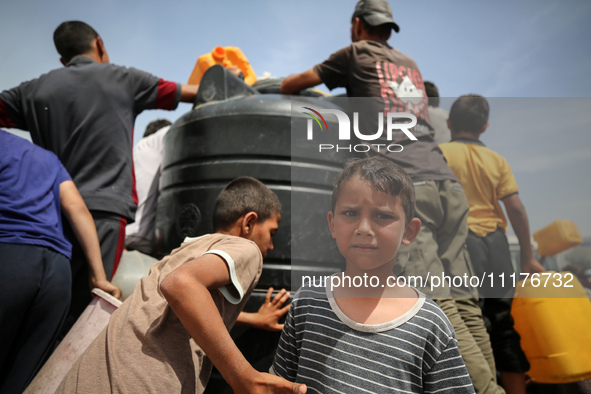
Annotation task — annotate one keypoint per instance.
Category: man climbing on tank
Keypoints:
(371, 68)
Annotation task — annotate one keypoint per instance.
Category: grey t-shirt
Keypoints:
(374, 69)
(84, 113)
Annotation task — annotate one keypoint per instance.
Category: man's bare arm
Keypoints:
(296, 82)
(188, 93)
(77, 213)
(520, 224)
(187, 290)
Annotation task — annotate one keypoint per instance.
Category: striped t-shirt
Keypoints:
(414, 353)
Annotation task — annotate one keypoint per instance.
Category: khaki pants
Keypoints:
(440, 250)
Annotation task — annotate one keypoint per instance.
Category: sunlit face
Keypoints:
(368, 226)
(262, 233)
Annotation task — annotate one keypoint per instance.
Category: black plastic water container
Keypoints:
(234, 131)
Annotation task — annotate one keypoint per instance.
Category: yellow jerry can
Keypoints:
(557, 237)
(552, 314)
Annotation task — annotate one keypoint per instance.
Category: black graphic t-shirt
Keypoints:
(375, 69)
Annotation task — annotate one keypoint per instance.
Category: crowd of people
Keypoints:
(433, 210)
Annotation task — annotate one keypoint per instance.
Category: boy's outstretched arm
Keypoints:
(75, 210)
(268, 315)
(520, 224)
(187, 290)
(188, 93)
(296, 82)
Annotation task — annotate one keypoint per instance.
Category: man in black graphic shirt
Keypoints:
(369, 67)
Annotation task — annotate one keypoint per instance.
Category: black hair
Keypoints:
(241, 196)
(432, 93)
(384, 175)
(469, 113)
(156, 125)
(382, 31)
(73, 38)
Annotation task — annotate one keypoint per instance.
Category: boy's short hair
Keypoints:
(384, 175)
(432, 93)
(241, 196)
(73, 38)
(469, 113)
(156, 125)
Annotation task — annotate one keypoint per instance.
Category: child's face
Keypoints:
(262, 233)
(369, 225)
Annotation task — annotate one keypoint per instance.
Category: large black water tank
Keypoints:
(234, 131)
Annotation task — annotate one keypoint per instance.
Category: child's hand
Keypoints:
(268, 315)
(532, 266)
(271, 311)
(266, 383)
(107, 287)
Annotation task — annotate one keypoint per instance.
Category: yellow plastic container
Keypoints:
(226, 56)
(555, 332)
(557, 237)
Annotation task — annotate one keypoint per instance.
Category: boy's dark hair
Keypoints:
(469, 113)
(432, 93)
(381, 31)
(156, 125)
(384, 175)
(73, 38)
(241, 196)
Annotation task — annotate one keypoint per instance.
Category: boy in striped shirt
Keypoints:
(368, 331)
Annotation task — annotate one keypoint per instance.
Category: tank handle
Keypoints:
(219, 84)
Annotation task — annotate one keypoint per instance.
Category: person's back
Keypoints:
(371, 68)
(94, 140)
(487, 179)
(376, 70)
(437, 115)
(29, 197)
(147, 160)
(84, 113)
(35, 279)
(486, 176)
(34, 259)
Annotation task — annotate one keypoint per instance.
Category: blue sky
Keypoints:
(497, 49)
